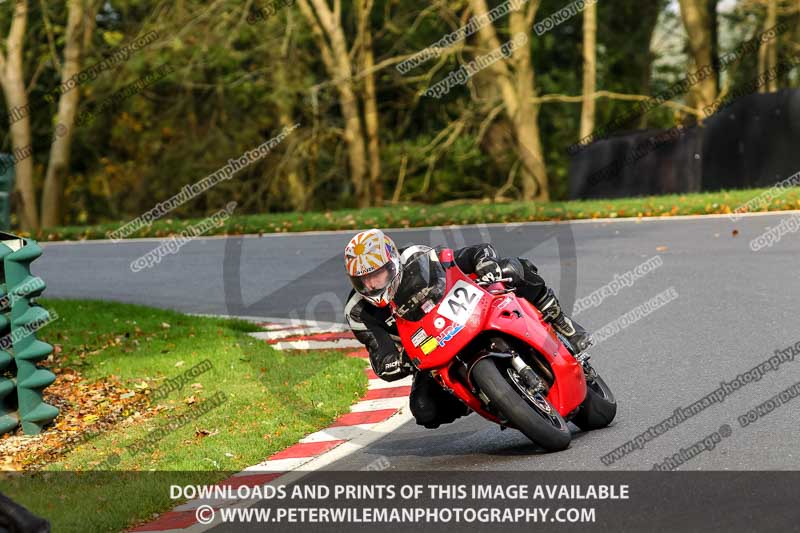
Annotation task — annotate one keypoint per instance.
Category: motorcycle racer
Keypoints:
(375, 267)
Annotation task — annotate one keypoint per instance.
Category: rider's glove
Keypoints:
(395, 366)
(488, 271)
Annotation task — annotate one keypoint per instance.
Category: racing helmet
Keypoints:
(373, 265)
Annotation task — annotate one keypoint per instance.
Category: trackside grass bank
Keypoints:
(150, 397)
(408, 216)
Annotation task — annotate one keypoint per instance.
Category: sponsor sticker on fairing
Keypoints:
(505, 302)
(429, 345)
(418, 337)
(448, 334)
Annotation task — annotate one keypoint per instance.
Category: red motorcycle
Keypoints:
(493, 351)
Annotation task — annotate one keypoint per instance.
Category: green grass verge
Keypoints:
(407, 216)
(273, 400)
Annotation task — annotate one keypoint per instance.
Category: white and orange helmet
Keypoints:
(373, 264)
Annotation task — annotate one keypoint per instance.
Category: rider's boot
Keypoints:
(551, 311)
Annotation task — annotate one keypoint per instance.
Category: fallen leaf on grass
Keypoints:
(88, 409)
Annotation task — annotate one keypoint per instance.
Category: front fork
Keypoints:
(528, 382)
(528, 376)
(537, 388)
(582, 358)
(588, 370)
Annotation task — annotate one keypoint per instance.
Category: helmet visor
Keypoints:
(374, 283)
(424, 281)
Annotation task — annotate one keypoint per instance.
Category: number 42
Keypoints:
(455, 302)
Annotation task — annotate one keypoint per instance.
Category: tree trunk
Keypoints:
(697, 22)
(354, 138)
(589, 70)
(58, 164)
(370, 105)
(767, 51)
(89, 23)
(713, 24)
(649, 19)
(12, 80)
(629, 28)
(297, 190)
(326, 23)
(517, 91)
(526, 121)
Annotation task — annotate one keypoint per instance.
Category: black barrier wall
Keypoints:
(749, 142)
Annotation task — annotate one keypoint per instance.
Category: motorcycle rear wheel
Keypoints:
(546, 429)
(598, 408)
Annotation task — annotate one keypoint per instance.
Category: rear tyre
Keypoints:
(547, 429)
(599, 408)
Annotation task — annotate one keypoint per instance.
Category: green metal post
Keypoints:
(6, 186)
(26, 317)
(9, 419)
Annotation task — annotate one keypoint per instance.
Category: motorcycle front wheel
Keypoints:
(532, 414)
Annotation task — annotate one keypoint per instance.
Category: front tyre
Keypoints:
(599, 408)
(543, 425)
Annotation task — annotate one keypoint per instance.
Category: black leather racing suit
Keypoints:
(375, 327)
(16, 519)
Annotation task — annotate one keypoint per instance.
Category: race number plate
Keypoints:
(460, 302)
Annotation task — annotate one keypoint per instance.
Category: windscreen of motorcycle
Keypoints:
(421, 287)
